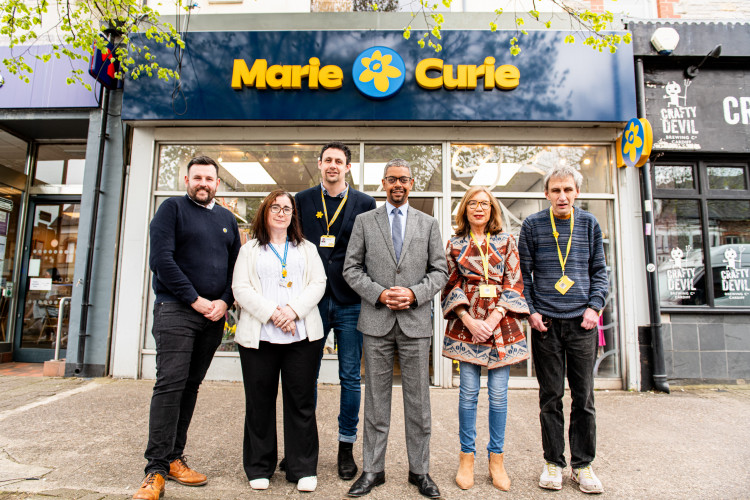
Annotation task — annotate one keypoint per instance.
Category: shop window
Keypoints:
(674, 177)
(704, 228)
(249, 168)
(522, 168)
(726, 178)
(60, 165)
(425, 162)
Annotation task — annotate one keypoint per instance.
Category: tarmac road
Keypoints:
(84, 439)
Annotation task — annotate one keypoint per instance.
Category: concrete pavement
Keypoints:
(84, 439)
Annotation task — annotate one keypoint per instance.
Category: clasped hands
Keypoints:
(397, 298)
(481, 330)
(212, 310)
(284, 318)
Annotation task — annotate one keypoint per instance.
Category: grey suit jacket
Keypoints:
(370, 267)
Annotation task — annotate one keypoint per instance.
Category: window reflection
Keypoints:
(248, 168)
(425, 162)
(60, 164)
(674, 177)
(729, 233)
(522, 168)
(679, 252)
(726, 177)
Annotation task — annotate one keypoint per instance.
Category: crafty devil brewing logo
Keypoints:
(379, 72)
(678, 118)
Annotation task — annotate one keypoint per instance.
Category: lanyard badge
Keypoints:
(563, 284)
(328, 240)
(486, 290)
(283, 282)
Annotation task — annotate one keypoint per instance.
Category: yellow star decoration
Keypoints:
(632, 142)
(378, 68)
(319, 215)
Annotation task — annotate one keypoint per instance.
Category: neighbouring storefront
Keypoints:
(699, 108)
(263, 103)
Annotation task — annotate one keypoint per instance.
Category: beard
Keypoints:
(201, 196)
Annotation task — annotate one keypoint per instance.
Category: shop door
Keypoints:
(46, 279)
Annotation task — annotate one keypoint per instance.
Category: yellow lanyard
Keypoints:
(556, 234)
(338, 210)
(485, 258)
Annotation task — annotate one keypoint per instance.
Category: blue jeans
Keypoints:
(343, 319)
(185, 345)
(497, 387)
(566, 348)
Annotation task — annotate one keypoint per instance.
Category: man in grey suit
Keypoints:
(396, 263)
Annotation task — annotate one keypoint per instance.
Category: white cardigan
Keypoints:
(257, 310)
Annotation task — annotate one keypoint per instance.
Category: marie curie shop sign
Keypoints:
(380, 76)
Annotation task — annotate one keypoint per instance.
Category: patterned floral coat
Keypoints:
(507, 345)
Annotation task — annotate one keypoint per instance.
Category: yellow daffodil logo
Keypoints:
(632, 141)
(379, 72)
(319, 215)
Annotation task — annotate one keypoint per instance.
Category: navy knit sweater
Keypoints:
(540, 265)
(193, 251)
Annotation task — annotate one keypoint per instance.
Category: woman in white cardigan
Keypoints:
(278, 281)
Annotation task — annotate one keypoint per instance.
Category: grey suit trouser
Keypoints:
(414, 358)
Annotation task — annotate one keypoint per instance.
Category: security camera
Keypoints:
(665, 40)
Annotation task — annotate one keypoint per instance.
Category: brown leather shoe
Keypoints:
(152, 487)
(180, 472)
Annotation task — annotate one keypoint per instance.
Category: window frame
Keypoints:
(703, 195)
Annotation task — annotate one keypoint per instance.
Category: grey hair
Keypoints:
(396, 162)
(561, 172)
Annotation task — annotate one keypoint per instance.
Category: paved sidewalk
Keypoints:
(84, 439)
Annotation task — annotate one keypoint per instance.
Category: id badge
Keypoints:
(563, 285)
(285, 283)
(327, 241)
(487, 291)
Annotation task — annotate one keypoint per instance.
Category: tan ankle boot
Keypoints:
(465, 474)
(500, 479)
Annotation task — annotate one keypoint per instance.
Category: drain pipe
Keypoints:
(654, 309)
(82, 333)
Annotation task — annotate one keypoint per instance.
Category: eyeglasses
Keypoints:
(278, 208)
(473, 204)
(392, 180)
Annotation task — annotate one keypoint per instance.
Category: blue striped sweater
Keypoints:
(540, 265)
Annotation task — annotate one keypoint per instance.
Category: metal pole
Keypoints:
(59, 326)
(654, 309)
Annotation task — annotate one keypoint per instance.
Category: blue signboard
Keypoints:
(380, 76)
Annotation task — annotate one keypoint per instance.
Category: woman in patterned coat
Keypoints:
(484, 305)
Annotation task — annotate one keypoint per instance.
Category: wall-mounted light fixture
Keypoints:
(693, 71)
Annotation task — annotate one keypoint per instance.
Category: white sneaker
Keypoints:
(587, 480)
(551, 477)
(308, 483)
(259, 484)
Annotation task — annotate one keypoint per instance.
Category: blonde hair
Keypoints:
(495, 224)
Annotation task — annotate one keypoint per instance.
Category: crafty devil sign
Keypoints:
(377, 75)
(710, 112)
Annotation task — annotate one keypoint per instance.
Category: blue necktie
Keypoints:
(398, 241)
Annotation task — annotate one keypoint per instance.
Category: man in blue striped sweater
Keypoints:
(565, 285)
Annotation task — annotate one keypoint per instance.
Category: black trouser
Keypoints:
(185, 345)
(298, 365)
(566, 346)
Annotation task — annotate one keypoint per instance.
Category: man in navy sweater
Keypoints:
(194, 245)
(565, 285)
(327, 214)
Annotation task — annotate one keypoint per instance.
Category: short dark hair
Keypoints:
(203, 160)
(260, 231)
(340, 146)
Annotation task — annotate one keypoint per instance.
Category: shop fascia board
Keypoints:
(379, 21)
